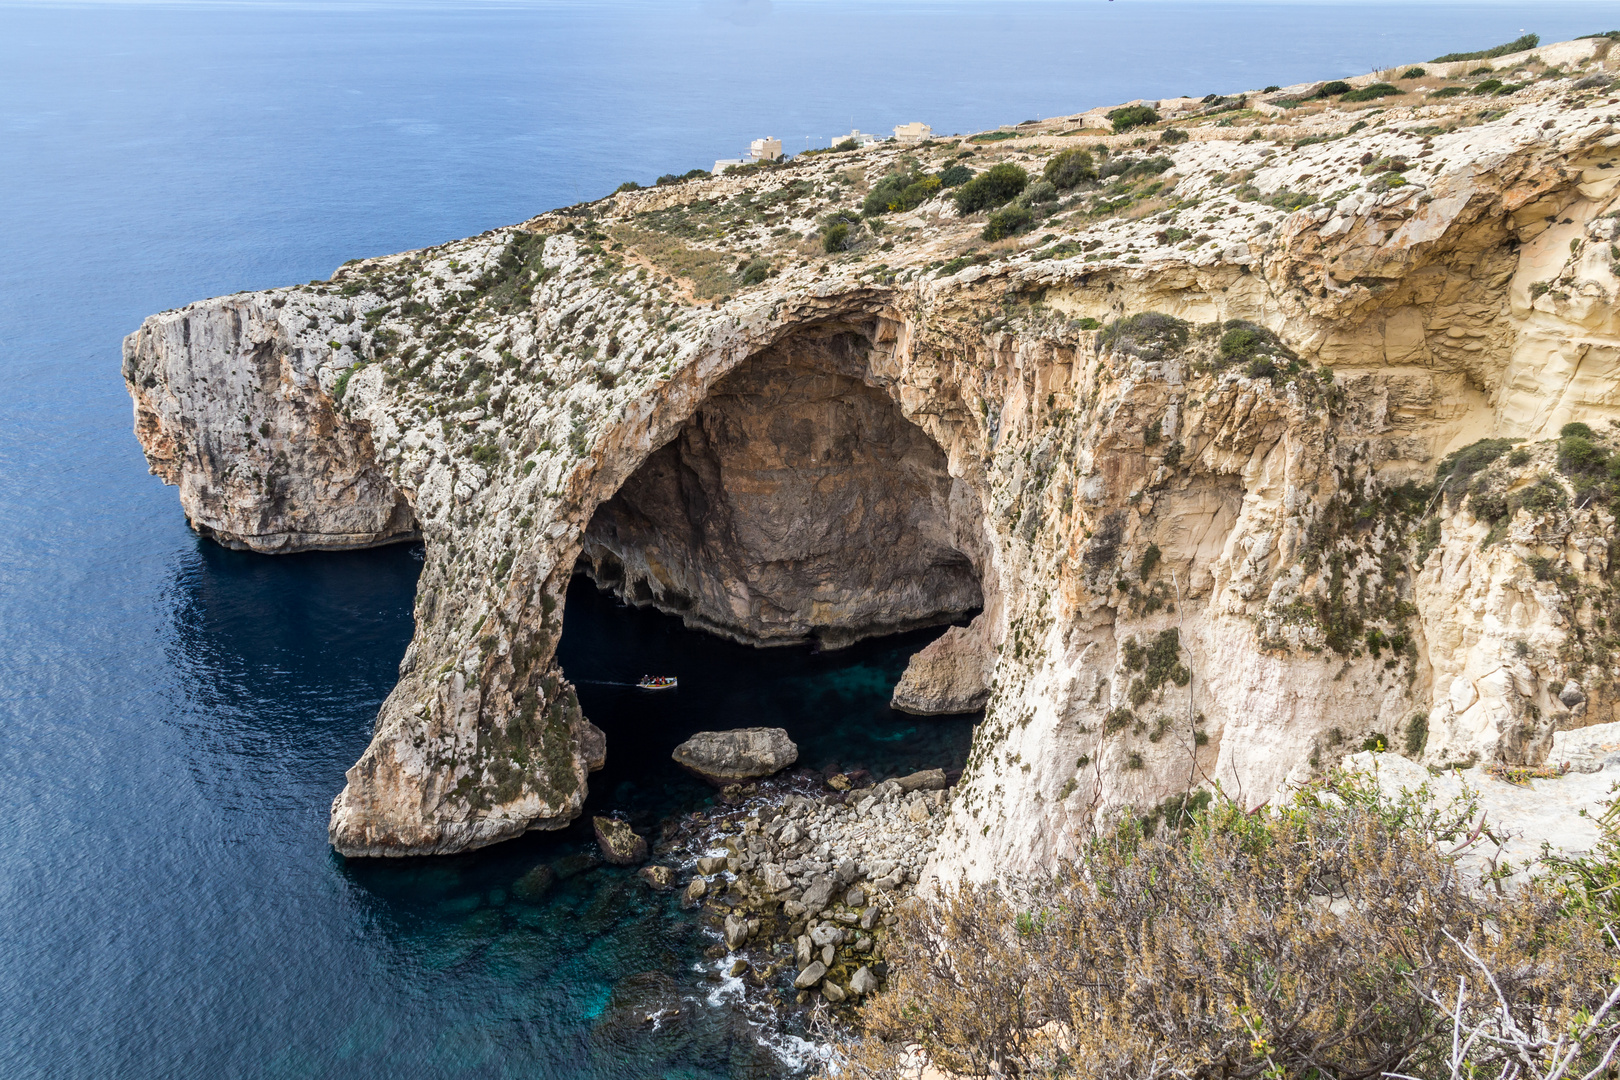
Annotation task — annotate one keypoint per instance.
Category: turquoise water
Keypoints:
(175, 718)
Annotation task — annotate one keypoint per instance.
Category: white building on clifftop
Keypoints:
(767, 149)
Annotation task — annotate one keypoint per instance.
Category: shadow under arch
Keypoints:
(796, 503)
(796, 507)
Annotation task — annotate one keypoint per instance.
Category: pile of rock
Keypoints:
(811, 882)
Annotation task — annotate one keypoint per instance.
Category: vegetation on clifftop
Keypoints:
(1334, 936)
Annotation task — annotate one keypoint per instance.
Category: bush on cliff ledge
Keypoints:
(996, 186)
(1328, 938)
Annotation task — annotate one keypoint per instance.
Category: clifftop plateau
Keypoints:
(1189, 422)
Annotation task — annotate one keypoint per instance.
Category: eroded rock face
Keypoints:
(950, 675)
(1201, 558)
(735, 757)
(796, 501)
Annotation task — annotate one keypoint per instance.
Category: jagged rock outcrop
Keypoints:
(950, 675)
(1180, 444)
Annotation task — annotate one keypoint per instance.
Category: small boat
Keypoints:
(656, 682)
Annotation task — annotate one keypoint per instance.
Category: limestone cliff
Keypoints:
(1179, 439)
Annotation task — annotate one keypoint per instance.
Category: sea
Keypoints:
(175, 718)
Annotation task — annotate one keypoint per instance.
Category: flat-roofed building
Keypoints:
(917, 132)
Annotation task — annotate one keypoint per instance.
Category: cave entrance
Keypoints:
(796, 504)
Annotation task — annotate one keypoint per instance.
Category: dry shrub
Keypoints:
(1327, 940)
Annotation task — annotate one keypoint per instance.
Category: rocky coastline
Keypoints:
(797, 878)
(1281, 425)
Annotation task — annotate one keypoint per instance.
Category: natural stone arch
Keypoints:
(483, 738)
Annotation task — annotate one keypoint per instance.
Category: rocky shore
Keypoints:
(798, 878)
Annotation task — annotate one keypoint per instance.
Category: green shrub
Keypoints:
(1413, 73)
(994, 187)
(1041, 191)
(754, 272)
(1449, 91)
(628, 185)
(955, 176)
(690, 174)
(1150, 335)
(1070, 168)
(1337, 86)
(1373, 92)
(1489, 506)
(1575, 427)
(1489, 86)
(1544, 495)
(1417, 733)
(835, 238)
(846, 146)
(1008, 221)
(1173, 136)
(1529, 41)
(1457, 467)
(1132, 116)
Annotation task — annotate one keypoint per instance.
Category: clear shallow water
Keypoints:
(175, 718)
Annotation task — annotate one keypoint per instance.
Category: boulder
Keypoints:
(826, 934)
(810, 975)
(711, 864)
(951, 675)
(736, 932)
(869, 917)
(620, 845)
(927, 780)
(863, 982)
(661, 878)
(832, 992)
(856, 897)
(730, 757)
(695, 890)
(818, 895)
(1587, 749)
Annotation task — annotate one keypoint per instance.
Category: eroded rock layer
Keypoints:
(1205, 444)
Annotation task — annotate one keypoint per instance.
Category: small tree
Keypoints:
(1070, 168)
(1132, 116)
(996, 186)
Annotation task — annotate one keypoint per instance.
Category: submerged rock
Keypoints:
(620, 844)
(730, 757)
(535, 884)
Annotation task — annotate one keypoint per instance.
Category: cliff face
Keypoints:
(1206, 539)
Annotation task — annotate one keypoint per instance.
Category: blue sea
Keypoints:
(176, 718)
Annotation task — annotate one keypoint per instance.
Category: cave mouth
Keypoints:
(795, 505)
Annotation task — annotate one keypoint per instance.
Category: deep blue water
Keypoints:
(175, 718)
